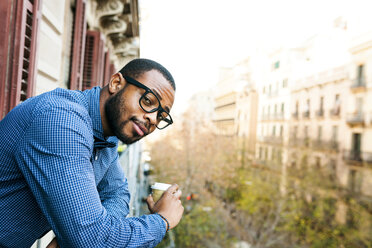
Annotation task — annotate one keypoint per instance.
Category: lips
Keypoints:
(140, 129)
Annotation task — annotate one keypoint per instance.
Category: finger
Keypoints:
(178, 194)
(150, 202)
(173, 188)
(53, 244)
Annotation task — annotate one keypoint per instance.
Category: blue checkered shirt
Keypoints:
(58, 172)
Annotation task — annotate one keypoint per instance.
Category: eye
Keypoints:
(147, 101)
(162, 116)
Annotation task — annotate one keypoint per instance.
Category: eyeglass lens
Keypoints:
(150, 104)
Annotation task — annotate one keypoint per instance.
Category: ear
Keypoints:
(117, 83)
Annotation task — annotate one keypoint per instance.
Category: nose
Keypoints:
(152, 117)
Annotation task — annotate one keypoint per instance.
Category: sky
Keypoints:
(194, 38)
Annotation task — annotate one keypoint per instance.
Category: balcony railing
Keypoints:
(335, 112)
(318, 144)
(305, 142)
(294, 141)
(358, 83)
(295, 115)
(279, 116)
(306, 114)
(355, 118)
(331, 145)
(320, 113)
(356, 156)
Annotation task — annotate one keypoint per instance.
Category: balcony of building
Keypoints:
(355, 119)
(318, 144)
(320, 113)
(358, 85)
(323, 145)
(306, 114)
(295, 115)
(278, 116)
(274, 140)
(357, 157)
(335, 112)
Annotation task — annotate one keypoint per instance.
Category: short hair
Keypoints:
(137, 67)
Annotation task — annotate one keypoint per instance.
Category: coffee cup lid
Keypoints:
(160, 186)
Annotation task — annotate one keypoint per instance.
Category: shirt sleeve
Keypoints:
(54, 157)
(114, 192)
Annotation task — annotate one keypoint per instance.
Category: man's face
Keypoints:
(127, 120)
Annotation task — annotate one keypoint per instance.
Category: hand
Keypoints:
(53, 244)
(169, 205)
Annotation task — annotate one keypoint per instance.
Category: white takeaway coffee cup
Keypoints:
(158, 190)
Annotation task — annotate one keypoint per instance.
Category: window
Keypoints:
(276, 65)
(360, 75)
(320, 133)
(282, 108)
(285, 83)
(19, 21)
(93, 60)
(78, 46)
(273, 131)
(334, 133)
(281, 131)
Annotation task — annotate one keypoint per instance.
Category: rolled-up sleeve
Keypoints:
(54, 157)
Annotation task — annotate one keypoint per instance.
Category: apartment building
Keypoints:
(357, 152)
(273, 109)
(225, 97)
(235, 102)
(318, 105)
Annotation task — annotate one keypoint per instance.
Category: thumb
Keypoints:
(150, 203)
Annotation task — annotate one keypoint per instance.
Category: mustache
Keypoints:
(145, 124)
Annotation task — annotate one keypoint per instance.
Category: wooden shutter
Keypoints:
(19, 20)
(93, 60)
(112, 69)
(107, 75)
(78, 46)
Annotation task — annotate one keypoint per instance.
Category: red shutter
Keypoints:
(107, 75)
(93, 60)
(78, 46)
(112, 69)
(19, 26)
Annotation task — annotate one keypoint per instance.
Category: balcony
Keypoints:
(358, 85)
(325, 145)
(357, 157)
(305, 142)
(332, 145)
(306, 114)
(294, 141)
(275, 140)
(335, 112)
(355, 119)
(320, 113)
(318, 144)
(278, 116)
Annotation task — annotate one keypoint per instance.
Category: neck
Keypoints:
(102, 100)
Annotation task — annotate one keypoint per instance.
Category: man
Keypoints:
(59, 166)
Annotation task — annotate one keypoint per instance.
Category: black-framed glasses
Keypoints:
(150, 103)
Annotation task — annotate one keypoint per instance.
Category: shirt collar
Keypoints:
(93, 96)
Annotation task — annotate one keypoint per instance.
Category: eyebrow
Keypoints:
(157, 94)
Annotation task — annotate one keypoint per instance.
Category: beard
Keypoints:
(113, 112)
